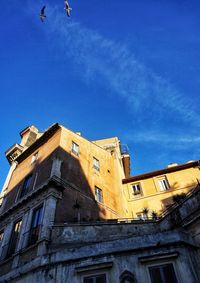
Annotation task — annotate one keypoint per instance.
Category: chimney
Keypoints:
(125, 159)
(126, 165)
(28, 136)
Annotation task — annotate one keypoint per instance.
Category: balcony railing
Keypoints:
(9, 249)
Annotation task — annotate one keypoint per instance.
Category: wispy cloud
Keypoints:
(116, 67)
(149, 96)
(171, 142)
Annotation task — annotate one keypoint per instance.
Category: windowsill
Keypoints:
(7, 259)
(96, 172)
(95, 267)
(99, 202)
(154, 194)
(4, 260)
(75, 154)
(164, 256)
(29, 247)
(163, 191)
(24, 250)
(137, 196)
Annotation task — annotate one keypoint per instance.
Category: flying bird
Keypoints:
(67, 8)
(42, 15)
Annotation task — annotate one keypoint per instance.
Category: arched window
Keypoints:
(127, 277)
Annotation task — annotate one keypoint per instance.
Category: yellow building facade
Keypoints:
(97, 174)
(156, 191)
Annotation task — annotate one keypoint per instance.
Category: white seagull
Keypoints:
(42, 15)
(67, 8)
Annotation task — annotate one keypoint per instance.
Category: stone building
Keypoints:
(65, 216)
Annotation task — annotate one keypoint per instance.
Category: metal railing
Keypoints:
(9, 249)
(31, 236)
(175, 205)
(138, 220)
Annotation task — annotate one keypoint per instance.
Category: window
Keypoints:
(96, 164)
(164, 186)
(75, 148)
(26, 185)
(141, 215)
(35, 225)
(34, 157)
(98, 195)
(101, 278)
(163, 274)
(136, 189)
(14, 238)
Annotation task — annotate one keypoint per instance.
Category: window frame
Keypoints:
(163, 184)
(99, 196)
(94, 276)
(75, 148)
(14, 238)
(34, 157)
(94, 269)
(96, 163)
(160, 264)
(134, 194)
(36, 222)
(25, 189)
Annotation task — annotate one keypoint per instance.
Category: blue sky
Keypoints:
(126, 68)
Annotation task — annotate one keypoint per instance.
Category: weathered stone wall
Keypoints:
(87, 233)
(59, 269)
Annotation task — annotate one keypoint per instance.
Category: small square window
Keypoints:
(98, 195)
(163, 183)
(75, 148)
(163, 273)
(34, 158)
(96, 164)
(100, 278)
(136, 189)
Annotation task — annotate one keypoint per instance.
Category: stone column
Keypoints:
(47, 222)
